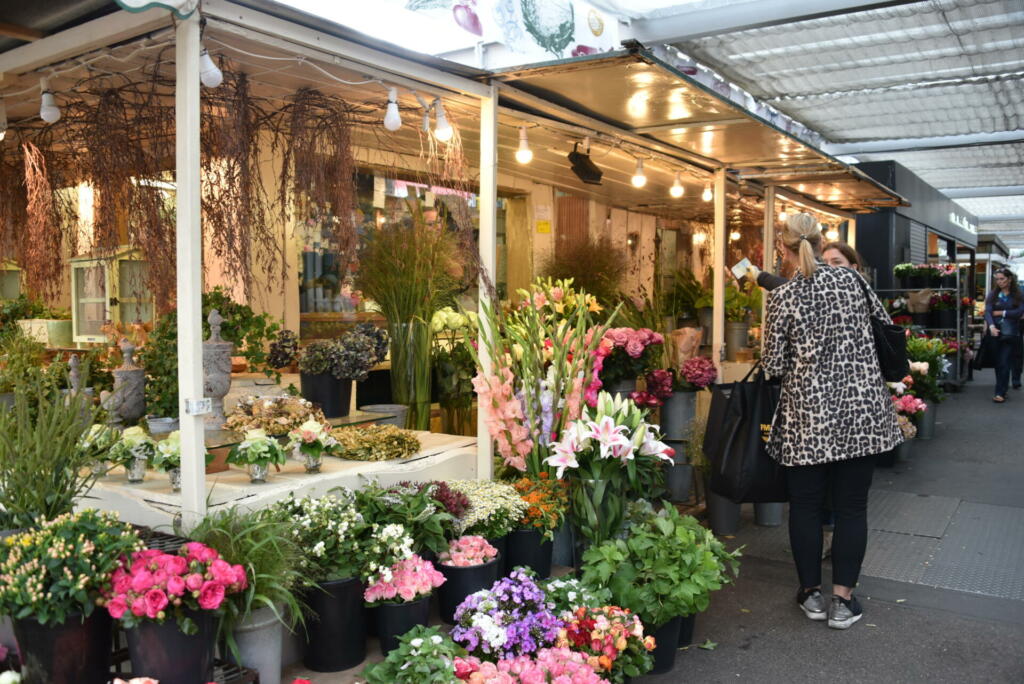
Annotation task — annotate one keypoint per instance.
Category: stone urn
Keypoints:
(127, 403)
(216, 370)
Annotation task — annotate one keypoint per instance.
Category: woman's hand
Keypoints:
(994, 330)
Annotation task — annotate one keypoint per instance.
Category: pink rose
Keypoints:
(175, 585)
(211, 595)
(241, 578)
(175, 565)
(635, 348)
(156, 601)
(194, 550)
(122, 581)
(222, 572)
(117, 607)
(194, 582)
(160, 578)
(139, 606)
(142, 581)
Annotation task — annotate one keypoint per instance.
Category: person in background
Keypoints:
(840, 255)
(1003, 309)
(834, 414)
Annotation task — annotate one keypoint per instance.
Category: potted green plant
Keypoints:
(257, 452)
(740, 303)
(134, 450)
(423, 654)
(664, 569)
(167, 458)
(22, 365)
(50, 326)
(927, 356)
(414, 507)
(328, 367)
(53, 576)
(254, 618)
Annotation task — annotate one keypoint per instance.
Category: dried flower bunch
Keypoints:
(274, 415)
(375, 443)
(349, 357)
(283, 350)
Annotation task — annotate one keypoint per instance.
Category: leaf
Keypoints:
(708, 645)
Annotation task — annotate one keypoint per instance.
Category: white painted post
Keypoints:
(718, 266)
(190, 269)
(851, 232)
(488, 202)
(768, 237)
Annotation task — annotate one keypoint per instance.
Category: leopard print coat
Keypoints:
(834, 403)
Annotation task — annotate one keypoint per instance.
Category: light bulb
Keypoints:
(832, 235)
(48, 109)
(524, 155)
(734, 236)
(677, 190)
(707, 195)
(210, 75)
(699, 238)
(639, 180)
(392, 118)
(782, 217)
(442, 129)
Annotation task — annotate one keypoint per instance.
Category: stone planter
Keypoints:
(161, 426)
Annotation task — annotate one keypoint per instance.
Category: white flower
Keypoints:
(416, 643)
(436, 640)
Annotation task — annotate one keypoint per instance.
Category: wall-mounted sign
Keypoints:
(962, 221)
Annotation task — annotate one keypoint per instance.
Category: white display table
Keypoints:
(152, 503)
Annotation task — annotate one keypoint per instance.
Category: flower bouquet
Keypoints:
(657, 388)
(467, 551)
(401, 595)
(507, 620)
(311, 441)
(423, 654)
(374, 443)
(548, 665)
(134, 451)
(547, 501)
(274, 415)
(495, 508)
(411, 506)
(97, 443)
(608, 451)
(469, 565)
(612, 639)
(624, 355)
(257, 451)
(168, 458)
(694, 374)
(909, 405)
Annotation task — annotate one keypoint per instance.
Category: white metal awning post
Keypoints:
(488, 200)
(190, 269)
(718, 262)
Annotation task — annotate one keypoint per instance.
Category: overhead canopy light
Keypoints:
(585, 169)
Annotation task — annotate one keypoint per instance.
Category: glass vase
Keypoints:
(313, 463)
(258, 472)
(457, 420)
(99, 468)
(137, 470)
(174, 475)
(410, 370)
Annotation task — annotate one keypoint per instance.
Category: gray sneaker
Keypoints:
(813, 604)
(843, 613)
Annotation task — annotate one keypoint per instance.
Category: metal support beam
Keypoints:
(682, 125)
(988, 191)
(705, 19)
(768, 239)
(488, 204)
(108, 30)
(718, 269)
(190, 269)
(942, 142)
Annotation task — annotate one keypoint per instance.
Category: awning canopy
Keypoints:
(636, 91)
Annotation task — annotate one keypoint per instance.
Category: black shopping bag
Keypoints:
(985, 357)
(739, 425)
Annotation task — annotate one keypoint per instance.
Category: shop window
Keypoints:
(111, 289)
(10, 281)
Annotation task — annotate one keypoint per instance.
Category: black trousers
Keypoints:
(848, 482)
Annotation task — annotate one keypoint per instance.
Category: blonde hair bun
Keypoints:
(802, 236)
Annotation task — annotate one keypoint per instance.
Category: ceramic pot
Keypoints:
(76, 652)
(530, 549)
(333, 396)
(163, 652)
(460, 582)
(259, 639)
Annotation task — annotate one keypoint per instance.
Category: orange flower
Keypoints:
(605, 662)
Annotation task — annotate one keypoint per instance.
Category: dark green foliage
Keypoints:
(595, 266)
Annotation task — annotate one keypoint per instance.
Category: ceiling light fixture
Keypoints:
(677, 190)
(782, 216)
(524, 155)
(442, 129)
(707, 195)
(639, 180)
(734, 236)
(832, 234)
(699, 238)
(584, 168)
(210, 75)
(392, 117)
(48, 109)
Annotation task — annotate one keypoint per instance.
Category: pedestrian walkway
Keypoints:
(942, 584)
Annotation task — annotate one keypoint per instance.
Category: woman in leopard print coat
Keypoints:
(834, 415)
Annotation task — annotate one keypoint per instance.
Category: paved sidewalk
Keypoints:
(943, 580)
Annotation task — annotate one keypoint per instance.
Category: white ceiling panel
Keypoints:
(992, 207)
(963, 167)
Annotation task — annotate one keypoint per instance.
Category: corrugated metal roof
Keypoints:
(963, 167)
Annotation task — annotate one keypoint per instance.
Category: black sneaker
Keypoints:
(812, 603)
(844, 612)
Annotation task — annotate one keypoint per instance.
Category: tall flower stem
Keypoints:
(410, 369)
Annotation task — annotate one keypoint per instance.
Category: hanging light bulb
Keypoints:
(48, 109)
(3, 120)
(442, 129)
(707, 195)
(210, 75)
(392, 118)
(832, 234)
(524, 155)
(677, 190)
(734, 236)
(639, 180)
(699, 238)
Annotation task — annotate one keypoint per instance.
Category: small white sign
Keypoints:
(199, 407)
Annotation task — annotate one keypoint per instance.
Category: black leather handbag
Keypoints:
(890, 343)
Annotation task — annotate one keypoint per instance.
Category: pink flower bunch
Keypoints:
(659, 388)
(699, 371)
(503, 413)
(908, 404)
(631, 344)
(634, 341)
(153, 583)
(405, 581)
(467, 551)
(551, 665)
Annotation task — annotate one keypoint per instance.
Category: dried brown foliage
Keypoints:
(13, 203)
(41, 254)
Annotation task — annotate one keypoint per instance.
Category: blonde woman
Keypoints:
(834, 414)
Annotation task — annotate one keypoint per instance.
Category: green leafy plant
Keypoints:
(664, 568)
(22, 365)
(43, 470)
(741, 303)
(425, 655)
(57, 570)
(168, 455)
(271, 556)
(931, 351)
(20, 308)
(680, 301)
(412, 506)
(566, 594)
(134, 443)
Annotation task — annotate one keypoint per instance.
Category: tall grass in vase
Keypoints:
(411, 271)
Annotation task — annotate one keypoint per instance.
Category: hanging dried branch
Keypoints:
(13, 201)
(236, 207)
(41, 256)
(319, 170)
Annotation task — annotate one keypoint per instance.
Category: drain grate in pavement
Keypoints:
(924, 516)
(899, 557)
(982, 552)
